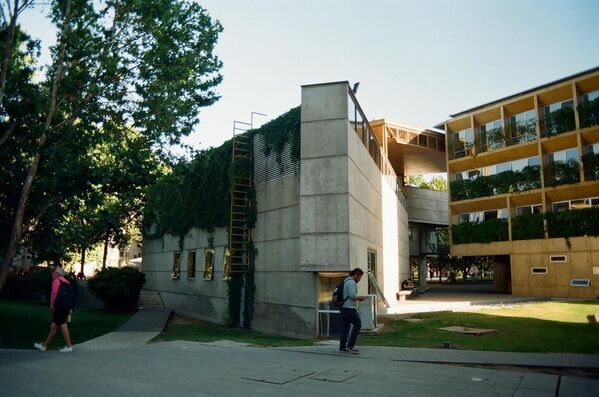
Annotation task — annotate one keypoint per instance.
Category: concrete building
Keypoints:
(341, 205)
(524, 187)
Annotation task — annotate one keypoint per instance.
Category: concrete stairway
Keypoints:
(150, 299)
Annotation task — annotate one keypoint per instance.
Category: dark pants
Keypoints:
(349, 316)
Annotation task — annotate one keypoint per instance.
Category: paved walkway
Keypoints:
(122, 363)
(456, 297)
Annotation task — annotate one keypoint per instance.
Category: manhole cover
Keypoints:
(335, 375)
(278, 376)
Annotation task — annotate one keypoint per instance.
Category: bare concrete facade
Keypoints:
(342, 210)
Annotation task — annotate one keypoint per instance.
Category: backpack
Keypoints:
(337, 298)
(65, 298)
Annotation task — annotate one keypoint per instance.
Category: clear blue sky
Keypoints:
(416, 61)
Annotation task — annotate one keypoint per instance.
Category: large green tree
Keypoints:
(118, 66)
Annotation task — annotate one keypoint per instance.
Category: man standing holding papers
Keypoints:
(349, 312)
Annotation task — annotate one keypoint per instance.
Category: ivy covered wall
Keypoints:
(196, 193)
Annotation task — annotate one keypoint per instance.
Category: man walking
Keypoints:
(349, 311)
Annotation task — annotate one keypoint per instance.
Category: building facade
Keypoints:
(339, 206)
(524, 187)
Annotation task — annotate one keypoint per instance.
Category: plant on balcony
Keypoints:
(505, 182)
(558, 122)
(588, 113)
(562, 173)
(459, 148)
(520, 133)
(590, 162)
(484, 232)
(572, 223)
(493, 138)
(528, 227)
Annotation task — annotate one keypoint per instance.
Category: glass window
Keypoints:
(572, 154)
(477, 217)
(176, 266)
(595, 202)
(463, 218)
(591, 96)
(537, 209)
(524, 210)
(534, 161)
(473, 174)
(563, 206)
(518, 165)
(191, 265)
(503, 167)
(208, 265)
(422, 140)
(227, 265)
(579, 204)
(490, 215)
(371, 261)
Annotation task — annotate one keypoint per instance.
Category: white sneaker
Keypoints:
(40, 347)
(66, 349)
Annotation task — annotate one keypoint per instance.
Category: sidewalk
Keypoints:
(136, 332)
(122, 363)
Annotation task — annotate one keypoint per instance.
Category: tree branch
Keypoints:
(8, 132)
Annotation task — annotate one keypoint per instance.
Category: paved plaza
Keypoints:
(122, 363)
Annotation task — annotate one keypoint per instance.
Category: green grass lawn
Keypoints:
(536, 327)
(198, 331)
(22, 323)
(547, 327)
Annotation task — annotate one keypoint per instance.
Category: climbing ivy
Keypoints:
(193, 194)
(196, 194)
(283, 129)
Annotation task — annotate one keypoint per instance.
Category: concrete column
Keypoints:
(422, 272)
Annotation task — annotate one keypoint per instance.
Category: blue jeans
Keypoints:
(349, 316)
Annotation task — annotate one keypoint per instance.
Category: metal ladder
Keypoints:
(239, 233)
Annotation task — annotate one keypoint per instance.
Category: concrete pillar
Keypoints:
(422, 272)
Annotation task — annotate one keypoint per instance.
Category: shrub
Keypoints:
(528, 227)
(484, 232)
(118, 288)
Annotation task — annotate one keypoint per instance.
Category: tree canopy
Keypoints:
(84, 143)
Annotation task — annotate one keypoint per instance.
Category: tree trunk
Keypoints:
(17, 229)
(82, 260)
(105, 253)
(10, 36)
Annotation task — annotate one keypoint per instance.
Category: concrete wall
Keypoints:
(582, 261)
(285, 295)
(324, 200)
(427, 206)
(346, 209)
(197, 298)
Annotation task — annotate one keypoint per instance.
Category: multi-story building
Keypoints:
(524, 187)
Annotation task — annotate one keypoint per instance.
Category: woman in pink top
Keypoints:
(59, 316)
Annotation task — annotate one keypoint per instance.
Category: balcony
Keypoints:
(562, 173)
(588, 113)
(528, 178)
(484, 232)
(528, 227)
(520, 133)
(590, 163)
(573, 223)
(492, 139)
(557, 122)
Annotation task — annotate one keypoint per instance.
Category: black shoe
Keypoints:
(344, 350)
(353, 350)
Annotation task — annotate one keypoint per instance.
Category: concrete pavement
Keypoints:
(121, 363)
